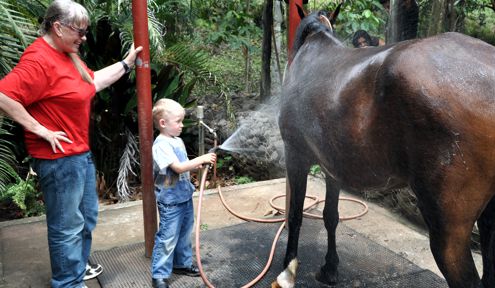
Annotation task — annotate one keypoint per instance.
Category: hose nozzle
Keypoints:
(215, 149)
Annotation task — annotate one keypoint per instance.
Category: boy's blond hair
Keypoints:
(164, 109)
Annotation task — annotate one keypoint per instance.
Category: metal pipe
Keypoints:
(145, 123)
(201, 135)
(211, 130)
(201, 132)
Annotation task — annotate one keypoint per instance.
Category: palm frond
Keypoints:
(128, 159)
(156, 32)
(17, 32)
(195, 61)
(8, 175)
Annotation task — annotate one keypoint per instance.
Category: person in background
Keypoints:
(49, 93)
(172, 252)
(362, 39)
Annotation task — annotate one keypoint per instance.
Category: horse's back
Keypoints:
(443, 91)
(450, 77)
(374, 112)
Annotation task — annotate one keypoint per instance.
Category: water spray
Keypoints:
(236, 144)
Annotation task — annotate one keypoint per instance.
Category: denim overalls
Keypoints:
(173, 193)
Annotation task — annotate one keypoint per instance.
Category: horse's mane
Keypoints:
(310, 25)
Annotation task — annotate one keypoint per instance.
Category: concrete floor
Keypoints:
(25, 262)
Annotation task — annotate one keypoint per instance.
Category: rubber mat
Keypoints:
(235, 255)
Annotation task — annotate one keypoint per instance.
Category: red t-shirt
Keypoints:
(48, 85)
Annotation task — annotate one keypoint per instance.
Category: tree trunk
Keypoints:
(267, 22)
(247, 69)
(443, 17)
(454, 17)
(278, 36)
(247, 58)
(404, 19)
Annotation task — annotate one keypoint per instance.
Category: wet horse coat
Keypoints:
(419, 113)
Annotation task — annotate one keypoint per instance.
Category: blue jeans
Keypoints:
(71, 202)
(173, 246)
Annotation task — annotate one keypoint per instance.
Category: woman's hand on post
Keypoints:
(132, 55)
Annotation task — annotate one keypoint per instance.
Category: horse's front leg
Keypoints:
(328, 273)
(297, 177)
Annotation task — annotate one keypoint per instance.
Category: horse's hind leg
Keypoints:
(450, 220)
(328, 273)
(486, 226)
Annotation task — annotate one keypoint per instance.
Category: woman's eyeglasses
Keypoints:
(81, 32)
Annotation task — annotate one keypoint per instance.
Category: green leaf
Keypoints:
(17, 31)
(171, 88)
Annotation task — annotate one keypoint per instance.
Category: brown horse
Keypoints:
(419, 113)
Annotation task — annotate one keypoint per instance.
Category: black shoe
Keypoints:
(159, 283)
(192, 271)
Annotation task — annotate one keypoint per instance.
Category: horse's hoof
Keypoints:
(283, 282)
(287, 279)
(327, 278)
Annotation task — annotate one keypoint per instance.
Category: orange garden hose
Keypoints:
(314, 203)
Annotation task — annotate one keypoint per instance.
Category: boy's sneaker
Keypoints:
(192, 271)
(159, 283)
(92, 270)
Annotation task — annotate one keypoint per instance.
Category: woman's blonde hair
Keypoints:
(165, 108)
(69, 13)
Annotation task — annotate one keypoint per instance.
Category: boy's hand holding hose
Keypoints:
(207, 159)
(210, 158)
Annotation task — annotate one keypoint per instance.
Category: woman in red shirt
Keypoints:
(49, 93)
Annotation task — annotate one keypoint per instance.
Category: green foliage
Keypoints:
(17, 31)
(360, 15)
(25, 195)
(472, 17)
(233, 27)
(203, 227)
(230, 22)
(224, 162)
(7, 158)
(480, 22)
(243, 180)
(176, 18)
(315, 170)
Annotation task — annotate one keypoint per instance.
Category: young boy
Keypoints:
(173, 190)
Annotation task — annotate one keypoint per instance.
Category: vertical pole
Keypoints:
(145, 121)
(201, 132)
(201, 136)
(294, 21)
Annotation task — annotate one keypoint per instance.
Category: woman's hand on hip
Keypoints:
(54, 138)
